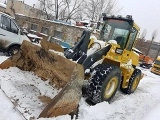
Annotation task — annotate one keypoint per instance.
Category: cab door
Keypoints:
(127, 51)
(126, 56)
(8, 32)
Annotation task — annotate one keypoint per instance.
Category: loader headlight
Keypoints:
(119, 51)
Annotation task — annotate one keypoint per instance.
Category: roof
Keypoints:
(3, 5)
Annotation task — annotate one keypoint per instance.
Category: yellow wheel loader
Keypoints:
(101, 65)
(113, 63)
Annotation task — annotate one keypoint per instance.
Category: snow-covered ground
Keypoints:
(22, 88)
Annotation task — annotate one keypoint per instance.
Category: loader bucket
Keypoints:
(68, 99)
(61, 73)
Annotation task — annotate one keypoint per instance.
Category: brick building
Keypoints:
(144, 46)
(55, 30)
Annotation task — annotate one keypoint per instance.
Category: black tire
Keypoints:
(103, 84)
(133, 82)
(141, 65)
(13, 50)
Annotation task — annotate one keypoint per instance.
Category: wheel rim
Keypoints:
(111, 87)
(15, 51)
(135, 83)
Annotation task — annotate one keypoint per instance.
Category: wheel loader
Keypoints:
(103, 65)
(113, 64)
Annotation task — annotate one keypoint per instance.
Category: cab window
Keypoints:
(115, 30)
(120, 35)
(132, 38)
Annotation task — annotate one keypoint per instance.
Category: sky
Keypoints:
(144, 12)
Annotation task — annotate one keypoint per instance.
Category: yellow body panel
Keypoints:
(136, 26)
(156, 68)
(135, 58)
(125, 61)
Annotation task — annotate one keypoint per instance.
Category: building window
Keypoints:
(57, 34)
(45, 30)
(34, 27)
(27, 7)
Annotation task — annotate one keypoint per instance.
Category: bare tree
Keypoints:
(143, 35)
(74, 8)
(79, 15)
(95, 8)
(61, 9)
(154, 35)
(12, 7)
(44, 9)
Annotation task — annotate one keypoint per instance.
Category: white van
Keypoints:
(11, 37)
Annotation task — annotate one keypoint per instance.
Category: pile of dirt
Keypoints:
(44, 63)
(61, 73)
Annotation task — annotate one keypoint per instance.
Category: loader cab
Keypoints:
(122, 30)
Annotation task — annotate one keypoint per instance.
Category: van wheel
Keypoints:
(103, 84)
(13, 50)
(133, 82)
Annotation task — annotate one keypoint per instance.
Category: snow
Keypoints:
(85, 21)
(154, 114)
(44, 34)
(20, 14)
(22, 87)
(33, 36)
(3, 5)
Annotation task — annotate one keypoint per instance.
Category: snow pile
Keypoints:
(33, 36)
(24, 88)
(3, 5)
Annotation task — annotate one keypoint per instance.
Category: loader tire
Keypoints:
(133, 82)
(103, 84)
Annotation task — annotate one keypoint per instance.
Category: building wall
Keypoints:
(144, 47)
(71, 34)
(22, 8)
(67, 33)
(2, 9)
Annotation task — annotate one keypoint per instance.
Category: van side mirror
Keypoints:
(20, 32)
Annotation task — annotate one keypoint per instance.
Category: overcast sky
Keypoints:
(146, 14)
